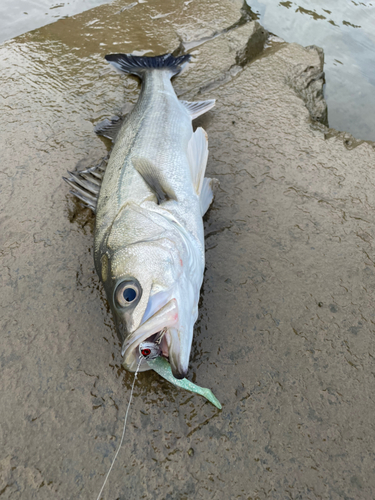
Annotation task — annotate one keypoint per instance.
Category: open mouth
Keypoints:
(154, 346)
(151, 335)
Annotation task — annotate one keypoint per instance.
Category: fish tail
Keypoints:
(138, 65)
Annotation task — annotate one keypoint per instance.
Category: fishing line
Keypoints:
(123, 432)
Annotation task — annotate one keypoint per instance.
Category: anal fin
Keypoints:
(198, 108)
(154, 178)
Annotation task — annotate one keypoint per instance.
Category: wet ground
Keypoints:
(19, 17)
(285, 336)
(346, 32)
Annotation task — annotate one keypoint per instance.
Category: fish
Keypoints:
(149, 202)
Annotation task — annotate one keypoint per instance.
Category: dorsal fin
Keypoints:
(154, 178)
(197, 156)
(86, 183)
(197, 108)
(109, 127)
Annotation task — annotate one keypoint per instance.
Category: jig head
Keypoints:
(152, 350)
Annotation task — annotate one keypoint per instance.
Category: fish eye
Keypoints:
(127, 293)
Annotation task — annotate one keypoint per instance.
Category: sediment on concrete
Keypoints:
(285, 335)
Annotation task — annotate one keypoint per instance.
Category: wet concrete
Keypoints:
(19, 17)
(345, 31)
(285, 333)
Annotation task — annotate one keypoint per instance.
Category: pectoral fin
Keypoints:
(154, 179)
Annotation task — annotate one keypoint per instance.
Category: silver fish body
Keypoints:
(149, 240)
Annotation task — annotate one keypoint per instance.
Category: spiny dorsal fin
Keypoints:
(197, 156)
(86, 183)
(109, 127)
(154, 179)
(82, 194)
(197, 108)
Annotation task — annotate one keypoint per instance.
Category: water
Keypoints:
(26, 15)
(285, 335)
(346, 32)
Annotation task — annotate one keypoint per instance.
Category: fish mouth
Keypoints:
(160, 328)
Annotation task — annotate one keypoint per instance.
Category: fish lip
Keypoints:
(179, 374)
(179, 353)
(164, 318)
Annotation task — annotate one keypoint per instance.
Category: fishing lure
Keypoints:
(151, 352)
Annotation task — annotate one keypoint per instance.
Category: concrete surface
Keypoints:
(285, 336)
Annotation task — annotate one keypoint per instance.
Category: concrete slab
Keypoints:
(285, 333)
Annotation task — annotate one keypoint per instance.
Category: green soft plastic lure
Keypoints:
(163, 368)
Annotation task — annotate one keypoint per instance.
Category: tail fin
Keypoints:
(136, 65)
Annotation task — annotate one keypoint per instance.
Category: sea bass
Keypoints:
(149, 204)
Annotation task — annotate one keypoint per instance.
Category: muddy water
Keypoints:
(285, 336)
(26, 15)
(346, 32)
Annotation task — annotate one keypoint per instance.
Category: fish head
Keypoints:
(152, 299)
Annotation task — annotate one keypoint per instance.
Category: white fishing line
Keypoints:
(123, 432)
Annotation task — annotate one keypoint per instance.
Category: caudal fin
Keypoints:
(137, 65)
